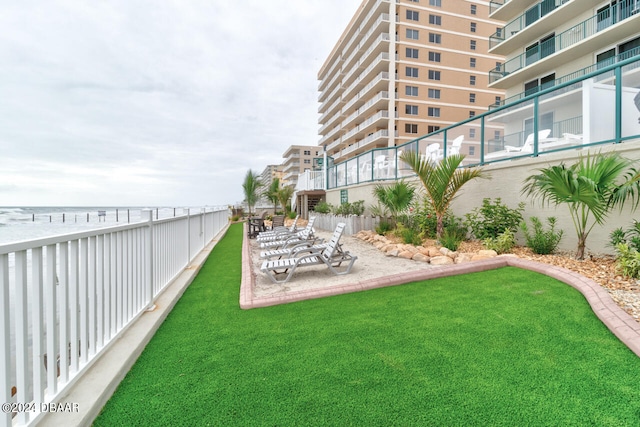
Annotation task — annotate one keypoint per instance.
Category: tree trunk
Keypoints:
(439, 227)
(582, 241)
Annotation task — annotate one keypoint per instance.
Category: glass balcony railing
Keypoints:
(599, 105)
(575, 75)
(529, 17)
(496, 4)
(568, 38)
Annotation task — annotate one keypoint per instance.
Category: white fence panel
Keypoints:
(65, 298)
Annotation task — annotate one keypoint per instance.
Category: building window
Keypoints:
(432, 129)
(412, 72)
(411, 110)
(411, 90)
(435, 38)
(413, 15)
(498, 100)
(433, 112)
(472, 62)
(412, 53)
(472, 80)
(307, 161)
(472, 150)
(472, 114)
(434, 93)
(437, 3)
(473, 27)
(472, 45)
(434, 56)
(474, 9)
(413, 34)
(472, 98)
(472, 133)
(415, 1)
(411, 128)
(307, 152)
(496, 135)
(434, 75)
(435, 19)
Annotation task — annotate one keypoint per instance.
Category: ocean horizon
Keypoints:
(20, 223)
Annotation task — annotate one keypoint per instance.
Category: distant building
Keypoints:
(297, 159)
(403, 69)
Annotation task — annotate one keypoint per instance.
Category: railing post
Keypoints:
(5, 341)
(149, 257)
(188, 236)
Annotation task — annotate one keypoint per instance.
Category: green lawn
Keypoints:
(504, 347)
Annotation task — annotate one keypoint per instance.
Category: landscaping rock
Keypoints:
(488, 253)
(441, 260)
(418, 256)
(393, 253)
(463, 257)
(405, 254)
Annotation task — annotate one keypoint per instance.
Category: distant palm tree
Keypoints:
(250, 186)
(442, 181)
(272, 193)
(591, 188)
(284, 195)
(396, 197)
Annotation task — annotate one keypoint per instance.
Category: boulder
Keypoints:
(405, 254)
(419, 256)
(393, 252)
(488, 253)
(463, 257)
(441, 260)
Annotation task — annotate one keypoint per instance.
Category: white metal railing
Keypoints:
(310, 180)
(65, 298)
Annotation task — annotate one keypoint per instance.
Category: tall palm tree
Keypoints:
(591, 188)
(396, 197)
(284, 194)
(250, 186)
(271, 193)
(442, 181)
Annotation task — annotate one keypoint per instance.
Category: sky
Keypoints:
(156, 102)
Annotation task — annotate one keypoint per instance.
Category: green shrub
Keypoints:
(292, 214)
(345, 209)
(408, 234)
(454, 234)
(501, 244)
(322, 207)
(235, 218)
(492, 219)
(627, 245)
(628, 260)
(426, 220)
(540, 241)
(384, 227)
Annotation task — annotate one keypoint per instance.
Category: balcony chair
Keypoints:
(332, 256)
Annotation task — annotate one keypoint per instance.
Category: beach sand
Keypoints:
(371, 264)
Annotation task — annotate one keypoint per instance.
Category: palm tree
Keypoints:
(272, 193)
(250, 186)
(396, 197)
(284, 194)
(591, 188)
(442, 181)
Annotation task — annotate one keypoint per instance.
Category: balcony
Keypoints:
(595, 33)
(577, 74)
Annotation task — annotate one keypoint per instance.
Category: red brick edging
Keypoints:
(625, 327)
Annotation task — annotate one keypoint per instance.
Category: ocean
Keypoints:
(27, 223)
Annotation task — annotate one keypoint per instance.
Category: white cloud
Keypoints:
(155, 102)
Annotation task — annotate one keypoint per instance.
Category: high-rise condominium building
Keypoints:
(550, 42)
(405, 68)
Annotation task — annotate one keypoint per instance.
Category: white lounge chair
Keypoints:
(282, 229)
(305, 235)
(527, 147)
(456, 145)
(331, 256)
(282, 235)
